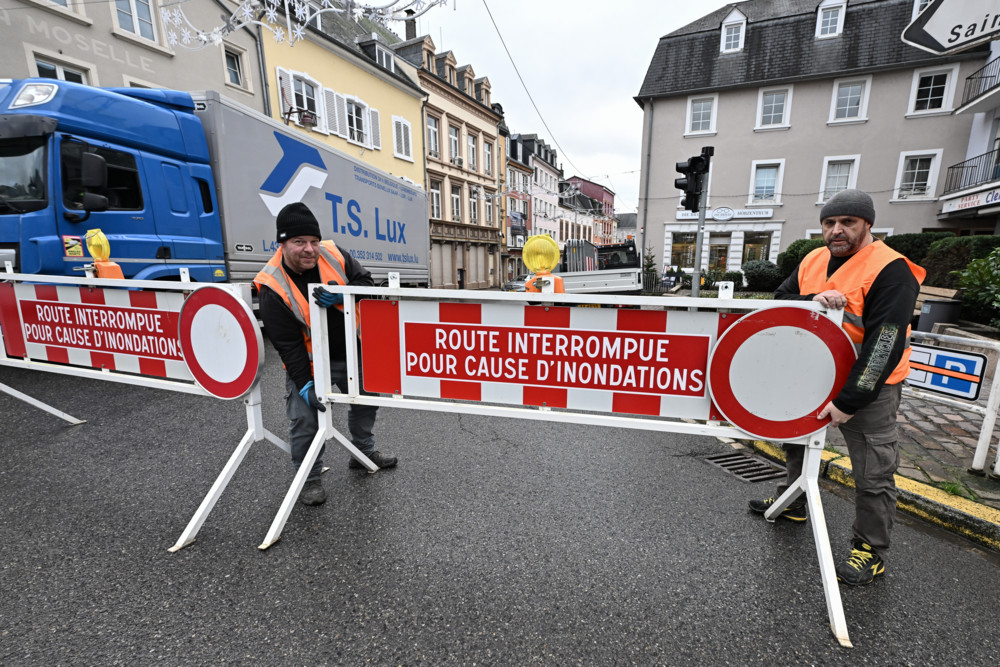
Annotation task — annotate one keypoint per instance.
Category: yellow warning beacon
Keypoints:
(541, 255)
(100, 250)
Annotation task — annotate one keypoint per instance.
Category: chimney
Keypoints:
(411, 25)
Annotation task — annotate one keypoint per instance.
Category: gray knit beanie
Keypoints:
(849, 202)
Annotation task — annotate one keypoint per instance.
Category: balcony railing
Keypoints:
(975, 171)
(982, 81)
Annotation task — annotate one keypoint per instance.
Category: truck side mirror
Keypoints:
(94, 202)
(93, 171)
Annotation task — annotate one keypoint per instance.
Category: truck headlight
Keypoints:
(34, 93)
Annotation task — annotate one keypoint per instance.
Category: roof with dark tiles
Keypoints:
(780, 46)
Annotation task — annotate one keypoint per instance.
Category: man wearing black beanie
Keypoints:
(304, 258)
(877, 288)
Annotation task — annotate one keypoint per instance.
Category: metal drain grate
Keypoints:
(747, 467)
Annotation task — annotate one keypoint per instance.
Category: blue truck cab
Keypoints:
(133, 162)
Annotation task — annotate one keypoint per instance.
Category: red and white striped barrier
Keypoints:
(129, 331)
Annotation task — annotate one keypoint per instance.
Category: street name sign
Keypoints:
(949, 26)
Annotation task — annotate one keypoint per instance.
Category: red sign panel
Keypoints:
(637, 362)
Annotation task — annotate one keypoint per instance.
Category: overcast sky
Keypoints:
(582, 62)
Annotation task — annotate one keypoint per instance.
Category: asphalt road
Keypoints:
(494, 542)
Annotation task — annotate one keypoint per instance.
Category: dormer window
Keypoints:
(733, 32)
(830, 18)
(384, 58)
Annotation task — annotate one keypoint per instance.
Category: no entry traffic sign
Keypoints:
(773, 371)
(221, 343)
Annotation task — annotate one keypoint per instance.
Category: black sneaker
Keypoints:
(313, 493)
(377, 457)
(861, 567)
(796, 513)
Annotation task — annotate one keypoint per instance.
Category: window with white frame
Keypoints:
(312, 9)
(733, 31)
(384, 58)
(840, 172)
(474, 205)
(933, 90)
(830, 18)
(916, 177)
(488, 157)
(765, 185)
(136, 16)
(433, 137)
(50, 69)
(488, 209)
(304, 94)
(701, 114)
(774, 108)
(436, 199)
(401, 138)
(850, 100)
(456, 203)
(473, 153)
(234, 67)
(356, 122)
(453, 145)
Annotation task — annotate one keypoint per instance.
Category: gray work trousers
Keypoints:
(303, 421)
(873, 445)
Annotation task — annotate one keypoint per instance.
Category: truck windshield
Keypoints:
(22, 175)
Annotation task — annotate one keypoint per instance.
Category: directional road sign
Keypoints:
(948, 26)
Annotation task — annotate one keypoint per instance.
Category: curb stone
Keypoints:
(975, 522)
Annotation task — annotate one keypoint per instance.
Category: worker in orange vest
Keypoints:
(304, 258)
(877, 288)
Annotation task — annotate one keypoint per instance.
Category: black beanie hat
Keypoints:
(297, 220)
(849, 202)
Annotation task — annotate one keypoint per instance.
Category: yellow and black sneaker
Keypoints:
(796, 513)
(861, 567)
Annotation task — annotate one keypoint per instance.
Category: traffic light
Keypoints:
(693, 169)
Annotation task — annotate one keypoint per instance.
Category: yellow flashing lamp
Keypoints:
(100, 250)
(541, 254)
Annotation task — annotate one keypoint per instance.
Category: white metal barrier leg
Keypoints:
(41, 406)
(187, 537)
(808, 483)
(274, 533)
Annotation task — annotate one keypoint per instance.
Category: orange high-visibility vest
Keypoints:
(854, 278)
(331, 268)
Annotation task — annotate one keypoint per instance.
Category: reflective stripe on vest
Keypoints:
(331, 268)
(854, 278)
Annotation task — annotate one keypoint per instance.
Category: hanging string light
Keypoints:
(285, 19)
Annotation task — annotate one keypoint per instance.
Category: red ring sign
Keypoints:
(221, 342)
(756, 375)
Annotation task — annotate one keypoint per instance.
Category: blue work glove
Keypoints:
(326, 299)
(309, 396)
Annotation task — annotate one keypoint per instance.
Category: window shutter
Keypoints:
(332, 118)
(341, 115)
(397, 136)
(406, 140)
(375, 130)
(285, 91)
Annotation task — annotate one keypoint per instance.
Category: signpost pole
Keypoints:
(698, 245)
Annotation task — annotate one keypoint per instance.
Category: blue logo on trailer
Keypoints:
(301, 167)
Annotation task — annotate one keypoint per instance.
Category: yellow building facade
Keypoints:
(355, 97)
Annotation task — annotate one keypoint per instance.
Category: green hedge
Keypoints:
(762, 276)
(948, 255)
(793, 254)
(915, 246)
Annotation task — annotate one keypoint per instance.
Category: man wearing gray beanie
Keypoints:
(303, 258)
(877, 287)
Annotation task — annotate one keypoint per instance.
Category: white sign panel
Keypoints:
(945, 371)
(947, 26)
(971, 201)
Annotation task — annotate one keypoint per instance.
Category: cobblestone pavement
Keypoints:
(937, 444)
